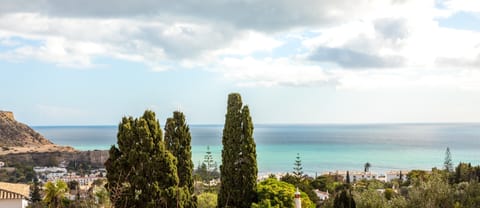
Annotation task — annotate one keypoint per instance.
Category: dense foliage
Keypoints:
(344, 199)
(141, 172)
(17, 173)
(304, 184)
(35, 192)
(274, 193)
(421, 189)
(239, 157)
(178, 142)
(207, 200)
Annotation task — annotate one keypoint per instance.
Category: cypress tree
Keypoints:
(141, 172)
(178, 142)
(344, 199)
(239, 157)
(348, 178)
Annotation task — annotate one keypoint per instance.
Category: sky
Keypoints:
(90, 62)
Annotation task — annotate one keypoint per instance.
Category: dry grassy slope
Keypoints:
(16, 134)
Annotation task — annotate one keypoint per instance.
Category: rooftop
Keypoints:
(14, 190)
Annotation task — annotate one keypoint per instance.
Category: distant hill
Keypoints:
(20, 144)
(16, 134)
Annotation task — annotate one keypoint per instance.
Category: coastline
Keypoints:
(321, 147)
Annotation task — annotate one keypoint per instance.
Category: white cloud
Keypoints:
(390, 41)
(273, 72)
(405, 39)
(250, 42)
(463, 5)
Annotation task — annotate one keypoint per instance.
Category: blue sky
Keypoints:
(90, 63)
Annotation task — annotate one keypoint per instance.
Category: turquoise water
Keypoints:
(321, 147)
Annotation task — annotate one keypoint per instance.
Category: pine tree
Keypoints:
(448, 161)
(297, 168)
(239, 157)
(141, 172)
(208, 160)
(178, 142)
(209, 166)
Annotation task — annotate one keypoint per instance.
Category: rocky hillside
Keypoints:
(16, 134)
(95, 158)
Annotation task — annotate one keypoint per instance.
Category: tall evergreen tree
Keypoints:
(344, 199)
(178, 142)
(347, 180)
(448, 161)
(208, 160)
(210, 167)
(297, 167)
(141, 172)
(239, 157)
(35, 196)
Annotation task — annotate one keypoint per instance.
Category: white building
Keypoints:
(395, 174)
(322, 195)
(360, 175)
(14, 195)
(50, 173)
(357, 175)
(49, 170)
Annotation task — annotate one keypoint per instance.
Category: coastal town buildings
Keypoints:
(361, 175)
(396, 174)
(60, 173)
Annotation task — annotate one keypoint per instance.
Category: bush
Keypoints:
(274, 193)
(207, 200)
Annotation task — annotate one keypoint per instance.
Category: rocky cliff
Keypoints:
(16, 134)
(20, 144)
(95, 158)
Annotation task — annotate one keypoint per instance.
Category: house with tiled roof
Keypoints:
(13, 195)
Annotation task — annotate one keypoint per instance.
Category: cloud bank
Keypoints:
(266, 43)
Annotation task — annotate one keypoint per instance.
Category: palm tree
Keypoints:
(367, 166)
(54, 193)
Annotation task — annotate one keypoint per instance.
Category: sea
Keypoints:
(322, 148)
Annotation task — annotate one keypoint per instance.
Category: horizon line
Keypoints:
(277, 124)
